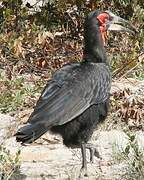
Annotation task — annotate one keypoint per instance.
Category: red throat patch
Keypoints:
(103, 17)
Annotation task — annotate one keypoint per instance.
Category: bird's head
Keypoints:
(107, 21)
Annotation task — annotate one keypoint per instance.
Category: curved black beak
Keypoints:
(117, 23)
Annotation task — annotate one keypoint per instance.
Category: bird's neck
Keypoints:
(93, 44)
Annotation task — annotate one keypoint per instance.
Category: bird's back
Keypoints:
(71, 91)
(81, 127)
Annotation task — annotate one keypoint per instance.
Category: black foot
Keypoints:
(83, 173)
(93, 152)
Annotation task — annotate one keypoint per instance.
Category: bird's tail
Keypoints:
(30, 132)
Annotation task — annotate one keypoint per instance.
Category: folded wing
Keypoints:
(70, 92)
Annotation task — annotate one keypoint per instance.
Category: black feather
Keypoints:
(76, 99)
(30, 133)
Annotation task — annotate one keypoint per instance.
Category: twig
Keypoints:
(131, 69)
(116, 72)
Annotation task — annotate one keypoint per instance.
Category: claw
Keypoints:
(83, 172)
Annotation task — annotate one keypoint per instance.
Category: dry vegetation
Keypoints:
(34, 44)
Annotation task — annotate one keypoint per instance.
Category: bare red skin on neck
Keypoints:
(103, 17)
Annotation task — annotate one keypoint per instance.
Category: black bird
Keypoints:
(76, 98)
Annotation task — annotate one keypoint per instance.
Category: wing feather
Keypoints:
(70, 92)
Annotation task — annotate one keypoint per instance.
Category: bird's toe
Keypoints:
(83, 172)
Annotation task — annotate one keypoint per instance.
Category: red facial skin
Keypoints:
(103, 18)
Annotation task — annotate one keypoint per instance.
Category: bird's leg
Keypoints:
(93, 151)
(84, 162)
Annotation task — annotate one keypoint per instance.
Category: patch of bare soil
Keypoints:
(49, 159)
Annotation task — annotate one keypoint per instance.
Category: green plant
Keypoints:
(136, 160)
(132, 155)
(16, 93)
(9, 164)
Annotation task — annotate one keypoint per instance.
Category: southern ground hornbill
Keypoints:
(76, 99)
